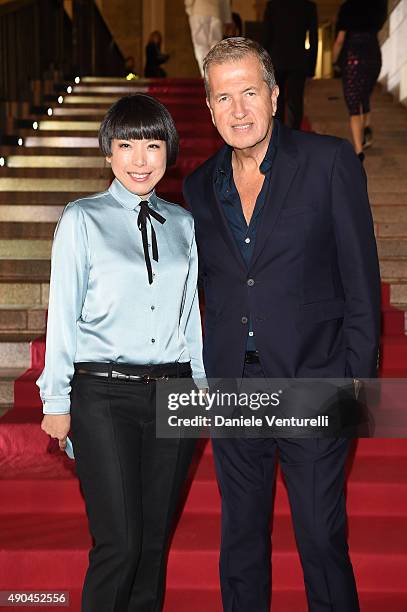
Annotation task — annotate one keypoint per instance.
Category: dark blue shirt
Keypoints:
(245, 235)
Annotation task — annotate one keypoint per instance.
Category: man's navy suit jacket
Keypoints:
(312, 287)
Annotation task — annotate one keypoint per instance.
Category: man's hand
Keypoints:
(57, 426)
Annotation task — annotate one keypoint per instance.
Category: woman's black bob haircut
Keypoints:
(138, 117)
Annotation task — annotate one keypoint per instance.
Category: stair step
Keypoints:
(378, 184)
(71, 126)
(53, 198)
(394, 352)
(70, 174)
(63, 162)
(188, 146)
(390, 198)
(150, 83)
(55, 548)
(26, 213)
(28, 291)
(24, 270)
(206, 144)
(184, 167)
(22, 318)
(15, 349)
(32, 484)
(94, 100)
(398, 293)
(69, 113)
(394, 322)
(64, 112)
(393, 268)
(52, 185)
(25, 249)
(203, 600)
(76, 142)
(392, 247)
(184, 131)
(391, 230)
(7, 378)
(19, 230)
(390, 214)
(55, 161)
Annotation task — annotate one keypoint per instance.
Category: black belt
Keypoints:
(134, 373)
(251, 357)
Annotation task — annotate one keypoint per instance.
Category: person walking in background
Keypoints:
(154, 57)
(285, 27)
(357, 52)
(208, 20)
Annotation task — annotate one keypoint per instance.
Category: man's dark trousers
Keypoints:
(314, 473)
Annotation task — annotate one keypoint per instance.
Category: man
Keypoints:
(292, 289)
(286, 24)
(208, 20)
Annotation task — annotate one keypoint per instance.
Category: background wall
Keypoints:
(125, 21)
(178, 41)
(394, 52)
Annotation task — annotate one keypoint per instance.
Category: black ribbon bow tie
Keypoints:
(146, 213)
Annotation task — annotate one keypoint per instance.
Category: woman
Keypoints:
(123, 312)
(154, 57)
(357, 52)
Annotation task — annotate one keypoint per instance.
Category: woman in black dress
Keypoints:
(357, 52)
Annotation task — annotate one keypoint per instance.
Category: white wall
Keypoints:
(394, 52)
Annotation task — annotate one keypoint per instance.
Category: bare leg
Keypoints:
(356, 126)
(366, 120)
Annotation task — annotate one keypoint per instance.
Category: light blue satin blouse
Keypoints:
(102, 307)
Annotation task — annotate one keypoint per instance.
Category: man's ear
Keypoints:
(208, 104)
(108, 159)
(274, 95)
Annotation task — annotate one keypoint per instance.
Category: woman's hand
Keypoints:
(57, 426)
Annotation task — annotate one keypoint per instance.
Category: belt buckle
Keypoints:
(121, 376)
(146, 379)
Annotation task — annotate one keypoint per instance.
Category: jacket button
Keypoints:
(250, 282)
(244, 320)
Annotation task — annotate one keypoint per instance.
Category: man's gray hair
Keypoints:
(234, 49)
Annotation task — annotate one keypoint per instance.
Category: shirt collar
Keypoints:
(225, 165)
(128, 199)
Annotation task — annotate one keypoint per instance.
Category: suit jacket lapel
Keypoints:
(284, 169)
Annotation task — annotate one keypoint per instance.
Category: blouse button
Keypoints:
(153, 340)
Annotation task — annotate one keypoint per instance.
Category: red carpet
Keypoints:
(44, 538)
